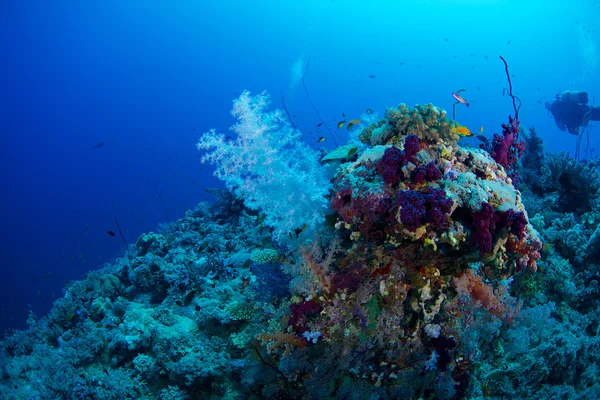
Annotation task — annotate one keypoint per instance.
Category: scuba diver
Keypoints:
(571, 111)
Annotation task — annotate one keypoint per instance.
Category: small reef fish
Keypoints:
(546, 247)
(245, 283)
(483, 138)
(481, 129)
(111, 233)
(203, 246)
(372, 76)
(369, 111)
(463, 131)
(299, 230)
(341, 123)
(319, 124)
(355, 121)
(321, 139)
(98, 145)
(350, 125)
(460, 99)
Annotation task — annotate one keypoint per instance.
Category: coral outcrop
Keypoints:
(428, 237)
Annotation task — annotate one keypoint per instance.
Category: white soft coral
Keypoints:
(269, 167)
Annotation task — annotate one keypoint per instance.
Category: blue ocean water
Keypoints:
(102, 103)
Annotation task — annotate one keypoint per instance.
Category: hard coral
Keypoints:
(427, 122)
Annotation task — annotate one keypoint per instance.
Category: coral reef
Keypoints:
(428, 279)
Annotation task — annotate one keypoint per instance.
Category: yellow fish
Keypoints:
(546, 247)
(350, 125)
(463, 131)
(321, 139)
(341, 123)
(481, 129)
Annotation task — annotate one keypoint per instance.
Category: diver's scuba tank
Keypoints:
(573, 96)
(595, 115)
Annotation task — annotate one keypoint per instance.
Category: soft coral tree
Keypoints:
(269, 167)
(507, 149)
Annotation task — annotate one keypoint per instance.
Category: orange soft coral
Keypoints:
(471, 285)
(528, 248)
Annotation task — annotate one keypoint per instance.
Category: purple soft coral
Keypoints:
(507, 148)
(484, 226)
(438, 206)
(375, 211)
(412, 209)
(342, 203)
(513, 220)
(350, 277)
(301, 311)
(418, 208)
(412, 146)
(426, 173)
(487, 221)
(389, 166)
(393, 160)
